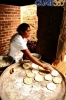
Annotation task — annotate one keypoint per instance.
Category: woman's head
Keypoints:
(24, 30)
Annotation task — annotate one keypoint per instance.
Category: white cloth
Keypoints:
(17, 44)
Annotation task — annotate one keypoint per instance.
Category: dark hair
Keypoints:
(22, 27)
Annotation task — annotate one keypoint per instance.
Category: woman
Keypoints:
(18, 46)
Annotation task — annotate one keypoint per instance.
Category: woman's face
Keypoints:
(27, 33)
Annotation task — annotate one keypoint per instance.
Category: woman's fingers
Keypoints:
(48, 68)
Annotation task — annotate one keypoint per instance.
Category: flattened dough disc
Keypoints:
(39, 78)
(34, 71)
(35, 66)
(48, 77)
(57, 80)
(41, 73)
(27, 80)
(30, 74)
(51, 86)
(40, 68)
(54, 73)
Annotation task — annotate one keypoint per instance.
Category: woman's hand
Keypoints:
(34, 60)
(48, 68)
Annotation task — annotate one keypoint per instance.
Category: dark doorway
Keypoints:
(49, 24)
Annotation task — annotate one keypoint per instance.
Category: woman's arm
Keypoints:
(34, 60)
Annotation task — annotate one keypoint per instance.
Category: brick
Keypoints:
(9, 20)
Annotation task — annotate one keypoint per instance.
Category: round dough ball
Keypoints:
(48, 77)
(57, 80)
(51, 86)
(27, 80)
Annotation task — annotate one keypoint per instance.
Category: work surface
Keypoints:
(13, 87)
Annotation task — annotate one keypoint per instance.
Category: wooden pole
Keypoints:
(61, 47)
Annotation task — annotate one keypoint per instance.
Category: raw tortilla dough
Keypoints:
(51, 86)
(40, 68)
(30, 74)
(41, 73)
(54, 73)
(26, 65)
(57, 80)
(34, 71)
(39, 78)
(48, 77)
(34, 66)
(27, 80)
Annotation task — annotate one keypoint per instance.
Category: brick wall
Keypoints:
(9, 20)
